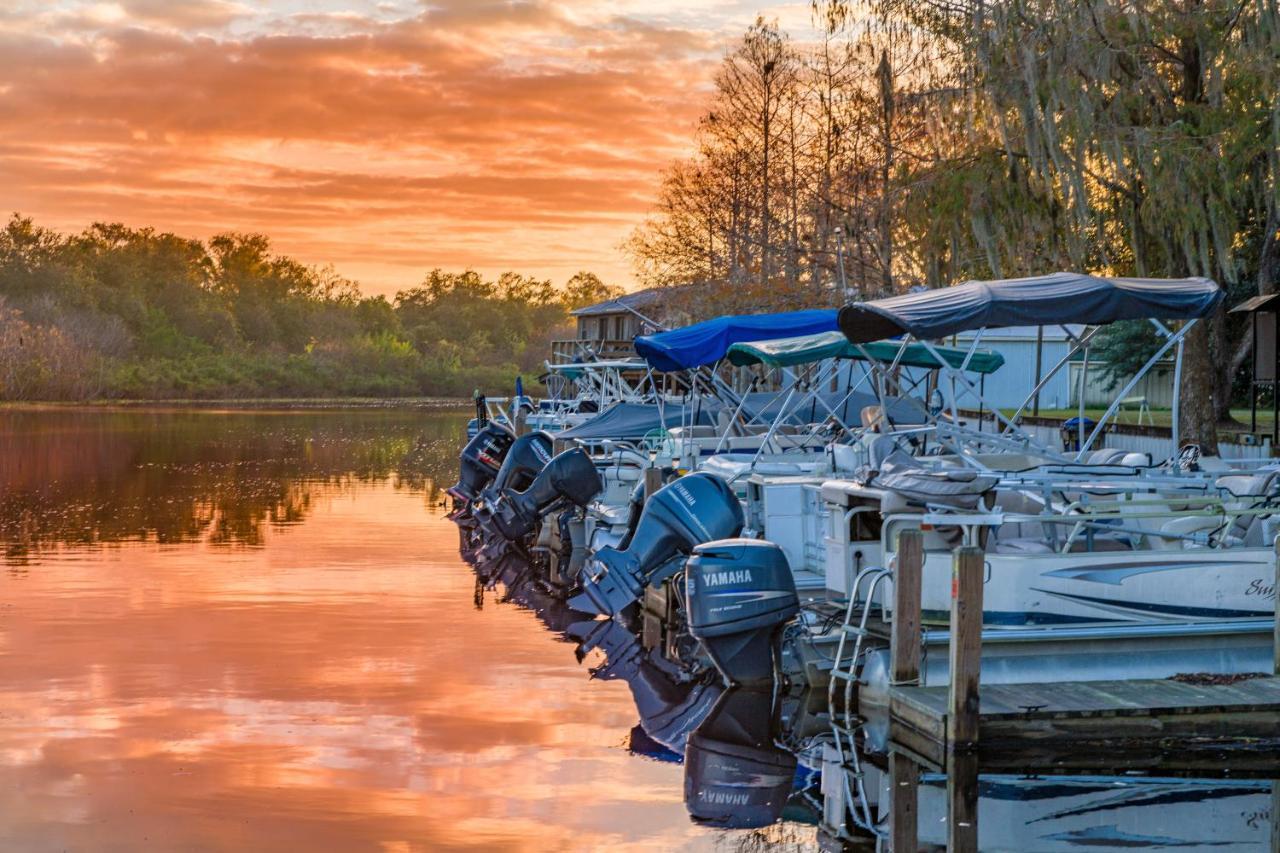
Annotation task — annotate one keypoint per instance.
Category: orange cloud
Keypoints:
(385, 139)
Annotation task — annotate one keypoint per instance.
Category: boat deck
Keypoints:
(1089, 713)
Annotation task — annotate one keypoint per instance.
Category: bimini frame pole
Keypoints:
(1079, 344)
(1171, 339)
(1175, 427)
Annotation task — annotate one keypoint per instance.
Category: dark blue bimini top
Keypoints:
(707, 342)
(1060, 298)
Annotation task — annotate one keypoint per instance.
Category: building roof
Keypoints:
(627, 302)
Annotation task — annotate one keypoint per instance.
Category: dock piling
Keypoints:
(904, 645)
(652, 481)
(966, 646)
(904, 794)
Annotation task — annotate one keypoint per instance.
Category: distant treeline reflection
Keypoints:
(82, 477)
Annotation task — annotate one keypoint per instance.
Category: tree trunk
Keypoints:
(1198, 421)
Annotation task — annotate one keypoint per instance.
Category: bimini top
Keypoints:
(706, 342)
(786, 352)
(1065, 297)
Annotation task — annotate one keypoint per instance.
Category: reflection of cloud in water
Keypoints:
(74, 476)
(333, 688)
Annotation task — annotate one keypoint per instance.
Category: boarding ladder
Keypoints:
(840, 696)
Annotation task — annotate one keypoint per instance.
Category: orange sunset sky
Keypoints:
(385, 138)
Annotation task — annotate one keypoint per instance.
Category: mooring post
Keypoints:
(904, 781)
(652, 481)
(904, 645)
(962, 803)
(966, 646)
(1275, 597)
(519, 423)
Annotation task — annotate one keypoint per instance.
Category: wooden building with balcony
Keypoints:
(605, 330)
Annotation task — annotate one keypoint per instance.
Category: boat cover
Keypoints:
(637, 420)
(706, 342)
(785, 352)
(1065, 297)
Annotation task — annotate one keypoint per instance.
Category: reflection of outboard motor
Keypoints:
(569, 478)
(692, 510)
(480, 461)
(735, 775)
(669, 709)
(741, 593)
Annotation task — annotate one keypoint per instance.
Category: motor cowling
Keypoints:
(480, 461)
(526, 457)
(741, 593)
(570, 477)
(679, 516)
(735, 775)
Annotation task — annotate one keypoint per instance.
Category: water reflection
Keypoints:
(79, 477)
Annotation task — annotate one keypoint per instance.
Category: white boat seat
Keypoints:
(1246, 530)
(1106, 456)
(1020, 545)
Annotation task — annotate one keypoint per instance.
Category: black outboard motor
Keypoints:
(735, 775)
(527, 455)
(689, 511)
(570, 477)
(741, 593)
(480, 461)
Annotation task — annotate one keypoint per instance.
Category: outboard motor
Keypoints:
(689, 511)
(480, 461)
(570, 477)
(735, 775)
(741, 593)
(527, 455)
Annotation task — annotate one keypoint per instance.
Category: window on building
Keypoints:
(620, 327)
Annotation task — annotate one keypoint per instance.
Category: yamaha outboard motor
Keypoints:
(480, 461)
(687, 512)
(741, 593)
(568, 478)
(735, 775)
(669, 708)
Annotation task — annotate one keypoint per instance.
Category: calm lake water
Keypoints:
(237, 631)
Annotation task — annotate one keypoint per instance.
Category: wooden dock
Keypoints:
(933, 722)
(1115, 715)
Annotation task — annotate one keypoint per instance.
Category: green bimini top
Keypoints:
(786, 352)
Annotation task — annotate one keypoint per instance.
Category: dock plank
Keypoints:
(1095, 710)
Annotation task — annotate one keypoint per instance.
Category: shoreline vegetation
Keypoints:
(246, 404)
(116, 313)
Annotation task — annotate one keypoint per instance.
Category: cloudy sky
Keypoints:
(385, 138)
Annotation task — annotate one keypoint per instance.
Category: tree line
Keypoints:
(120, 312)
(927, 142)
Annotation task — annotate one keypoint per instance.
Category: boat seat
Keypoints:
(1019, 545)
(1106, 456)
(1102, 542)
(1247, 530)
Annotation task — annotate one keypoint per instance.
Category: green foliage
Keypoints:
(132, 313)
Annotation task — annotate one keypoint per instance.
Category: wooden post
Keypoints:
(904, 646)
(519, 423)
(904, 779)
(652, 481)
(1275, 594)
(966, 647)
(962, 803)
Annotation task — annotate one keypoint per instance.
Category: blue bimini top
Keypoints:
(708, 341)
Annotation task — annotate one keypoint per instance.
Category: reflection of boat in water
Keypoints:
(1106, 812)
